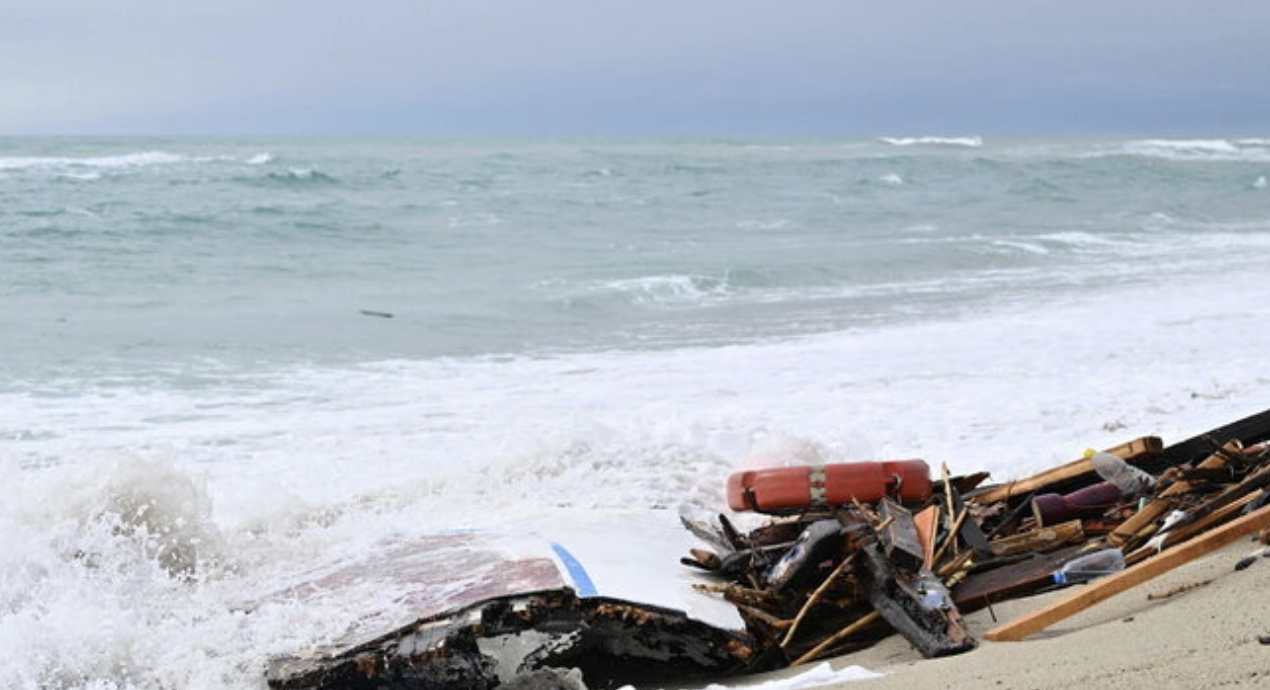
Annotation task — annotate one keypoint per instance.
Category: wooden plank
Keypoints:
(900, 541)
(1140, 522)
(1010, 581)
(927, 522)
(1041, 539)
(1110, 586)
(1057, 478)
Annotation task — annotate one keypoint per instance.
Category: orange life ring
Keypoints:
(790, 489)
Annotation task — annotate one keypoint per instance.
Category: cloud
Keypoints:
(570, 66)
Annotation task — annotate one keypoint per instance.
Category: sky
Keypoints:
(634, 68)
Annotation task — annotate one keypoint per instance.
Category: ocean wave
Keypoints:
(81, 176)
(1195, 150)
(892, 179)
(755, 224)
(124, 161)
(968, 142)
(260, 159)
(294, 177)
(1023, 246)
(663, 289)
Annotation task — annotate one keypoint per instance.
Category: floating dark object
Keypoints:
(379, 314)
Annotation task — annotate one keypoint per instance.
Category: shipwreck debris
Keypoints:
(845, 557)
(499, 641)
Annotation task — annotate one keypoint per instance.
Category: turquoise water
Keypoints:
(264, 251)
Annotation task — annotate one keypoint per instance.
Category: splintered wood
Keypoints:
(835, 578)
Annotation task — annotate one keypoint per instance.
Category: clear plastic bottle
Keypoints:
(1131, 480)
(1090, 566)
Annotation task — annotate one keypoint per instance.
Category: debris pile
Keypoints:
(835, 570)
(851, 553)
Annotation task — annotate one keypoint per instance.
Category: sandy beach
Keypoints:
(1204, 637)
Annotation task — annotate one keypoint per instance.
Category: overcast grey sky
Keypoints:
(611, 67)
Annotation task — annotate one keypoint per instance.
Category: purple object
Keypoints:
(1091, 501)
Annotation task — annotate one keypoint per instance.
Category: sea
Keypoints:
(225, 360)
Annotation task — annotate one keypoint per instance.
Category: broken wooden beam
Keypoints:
(1041, 539)
(900, 541)
(916, 605)
(1067, 476)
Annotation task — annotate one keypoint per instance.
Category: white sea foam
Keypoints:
(311, 464)
(969, 142)
(81, 176)
(1259, 183)
(124, 161)
(819, 676)
(664, 289)
(260, 159)
(1021, 245)
(892, 179)
(1197, 150)
(768, 224)
(474, 220)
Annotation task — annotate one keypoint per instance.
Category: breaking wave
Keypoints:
(129, 160)
(295, 177)
(968, 142)
(666, 290)
(1199, 150)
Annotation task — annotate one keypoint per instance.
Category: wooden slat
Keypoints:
(1112, 585)
(1041, 539)
(1009, 581)
(1133, 450)
(900, 540)
(927, 523)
